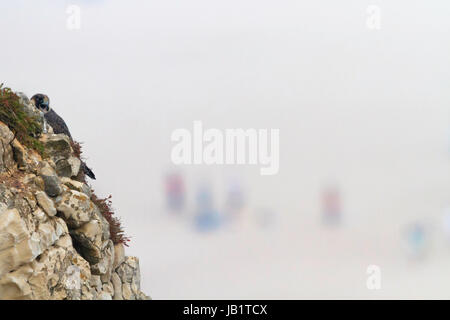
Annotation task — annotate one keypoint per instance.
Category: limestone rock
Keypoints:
(76, 185)
(104, 296)
(15, 286)
(64, 242)
(117, 283)
(52, 183)
(89, 240)
(40, 215)
(129, 274)
(119, 255)
(6, 154)
(104, 266)
(108, 288)
(68, 167)
(57, 146)
(54, 241)
(26, 160)
(96, 283)
(16, 247)
(46, 203)
(126, 291)
(75, 208)
(12, 229)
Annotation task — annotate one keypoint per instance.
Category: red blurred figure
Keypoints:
(331, 205)
(175, 192)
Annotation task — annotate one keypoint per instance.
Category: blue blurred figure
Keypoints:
(206, 217)
(416, 238)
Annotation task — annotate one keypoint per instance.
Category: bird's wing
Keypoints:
(57, 123)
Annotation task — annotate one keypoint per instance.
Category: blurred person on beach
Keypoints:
(331, 205)
(206, 217)
(416, 241)
(175, 192)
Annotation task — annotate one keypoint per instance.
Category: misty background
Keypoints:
(365, 110)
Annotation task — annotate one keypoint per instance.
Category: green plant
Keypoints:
(115, 227)
(26, 128)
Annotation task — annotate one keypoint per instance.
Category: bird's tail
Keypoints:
(87, 170)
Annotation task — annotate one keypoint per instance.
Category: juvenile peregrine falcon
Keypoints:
(42, 103)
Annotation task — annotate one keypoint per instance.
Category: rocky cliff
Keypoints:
(55, 242)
